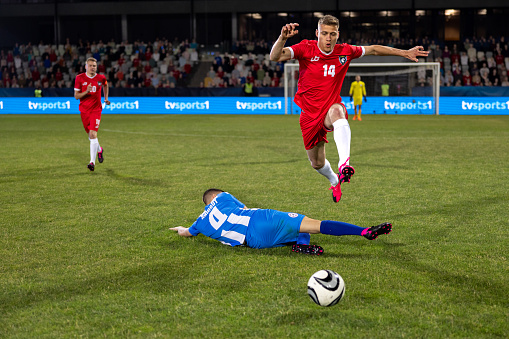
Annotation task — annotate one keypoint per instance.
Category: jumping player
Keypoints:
(323, 65)
(357, 92)
(228, 220)
(87, 89)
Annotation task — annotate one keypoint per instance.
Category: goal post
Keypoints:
(392, 88)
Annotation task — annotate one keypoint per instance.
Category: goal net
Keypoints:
(391, 88)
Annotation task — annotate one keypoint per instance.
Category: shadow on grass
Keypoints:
(134, 180)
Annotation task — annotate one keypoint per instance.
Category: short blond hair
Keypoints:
(92, 59)
(329, 20)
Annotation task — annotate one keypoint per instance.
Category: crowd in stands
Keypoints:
(232, 70)
(162, 63)
(473, 62)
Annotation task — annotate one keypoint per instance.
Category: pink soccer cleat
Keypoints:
(345, 172)
(336, 191)
(100, 155)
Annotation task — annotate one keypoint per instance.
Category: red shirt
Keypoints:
(321, 75)
(92, 101)
(499, 59)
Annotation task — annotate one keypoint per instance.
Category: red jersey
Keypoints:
(321, 75)
(92, 101)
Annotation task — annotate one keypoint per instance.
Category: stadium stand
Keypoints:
(173, 64)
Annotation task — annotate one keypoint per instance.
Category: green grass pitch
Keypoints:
(89, 254)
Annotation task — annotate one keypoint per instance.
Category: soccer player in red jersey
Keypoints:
(87, 89)
(322, 68)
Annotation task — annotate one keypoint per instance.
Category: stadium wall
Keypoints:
(463, 91)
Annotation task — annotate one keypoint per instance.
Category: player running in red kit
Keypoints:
(322, 69)
(87, 88)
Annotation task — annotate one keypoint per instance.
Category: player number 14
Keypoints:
(329, 70)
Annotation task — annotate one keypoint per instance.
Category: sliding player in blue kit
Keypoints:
(228, 220)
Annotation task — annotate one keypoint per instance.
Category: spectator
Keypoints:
(493, 77)
(164, 82)
(491, 63)
(155, 80)
(484, 70)
(476, 79)
(467, 79)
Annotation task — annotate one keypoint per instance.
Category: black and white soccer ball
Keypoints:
(326, 288)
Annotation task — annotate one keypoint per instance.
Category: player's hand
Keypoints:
(289, 30)
(417, 51)
(365, 99)
(107, 102)
(89, 88)
(175, 228)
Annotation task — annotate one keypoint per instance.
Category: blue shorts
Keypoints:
(271, 228)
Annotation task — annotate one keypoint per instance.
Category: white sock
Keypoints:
(342, 137)
(327, 172)
(94, 144)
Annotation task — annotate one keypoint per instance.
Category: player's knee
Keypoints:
(337, 112)
(317, 164)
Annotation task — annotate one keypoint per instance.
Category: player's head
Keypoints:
(210, 194)
(357, 78)
(91, 66)
(327, 33)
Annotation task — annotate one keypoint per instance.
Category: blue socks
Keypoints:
(339, 228)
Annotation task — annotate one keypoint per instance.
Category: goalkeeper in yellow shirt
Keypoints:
(357, 92)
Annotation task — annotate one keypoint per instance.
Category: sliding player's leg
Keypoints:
(339, 228)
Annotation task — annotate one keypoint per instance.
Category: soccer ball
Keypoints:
(326, 288)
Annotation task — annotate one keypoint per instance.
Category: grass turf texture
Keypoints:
(89, 254)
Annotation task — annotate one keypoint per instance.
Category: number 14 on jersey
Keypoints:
(329, 70)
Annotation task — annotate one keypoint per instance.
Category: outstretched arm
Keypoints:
(411, 54)
(182, 231)
(278, 51)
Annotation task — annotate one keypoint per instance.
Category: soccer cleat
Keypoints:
(100, 156)
(336, 191)
(345, 172)
(355, 117)
(307, 249)
(91, 166)
(373, 232)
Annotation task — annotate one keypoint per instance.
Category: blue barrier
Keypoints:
(255, 105)
(148, 105)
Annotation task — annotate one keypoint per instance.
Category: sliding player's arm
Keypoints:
(411, 54)
(182, 231)
(279, 52)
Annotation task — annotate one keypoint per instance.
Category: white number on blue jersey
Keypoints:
(216, 218)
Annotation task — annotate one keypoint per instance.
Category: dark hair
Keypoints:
(329, 20)
(209, 192)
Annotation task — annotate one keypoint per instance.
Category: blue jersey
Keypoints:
(226, 219)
